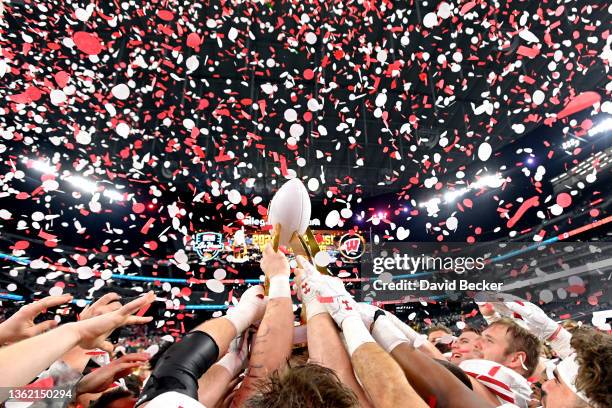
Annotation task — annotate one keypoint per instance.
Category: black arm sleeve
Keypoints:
(181, 366)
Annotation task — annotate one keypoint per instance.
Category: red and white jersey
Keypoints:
(507, 385)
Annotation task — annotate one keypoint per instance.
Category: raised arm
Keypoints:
(274, 339)
(21, 324)
(545, 328)
(22, 361)
(178, 371)
(325, 345)
(381, 376)
(433, 382)
(77, 358)
(215, 383)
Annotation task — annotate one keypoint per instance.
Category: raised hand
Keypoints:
(305, 287)
(303, 277)
(102, 378)
(107, 303)
(21, 324)
(236, 359)
(536, 320)
(250, 309)
(367, 313)
(274, 263)
(334, 296)
(92, 333)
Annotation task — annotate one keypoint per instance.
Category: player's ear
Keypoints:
(518, 360)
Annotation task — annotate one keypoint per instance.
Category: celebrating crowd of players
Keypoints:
(355, 355)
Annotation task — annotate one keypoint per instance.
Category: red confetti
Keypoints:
(564, 200)
(86, 42)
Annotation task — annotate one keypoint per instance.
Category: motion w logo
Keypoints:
(351, 246)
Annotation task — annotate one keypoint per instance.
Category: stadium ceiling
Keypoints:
(359, 95)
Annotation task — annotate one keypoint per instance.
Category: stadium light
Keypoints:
(603, 126)
(490, 180)
(452, 195)
(83, 184)
(113, 195)
(40, 165)
(79, 182)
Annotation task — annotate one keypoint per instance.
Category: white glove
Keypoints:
(415, 339)
(235, 360)
(333, 295)
(343, 309)
(534, 318)
(249, 310)
(386, 334)
(305, 290)
(485, 309)
(367, 312)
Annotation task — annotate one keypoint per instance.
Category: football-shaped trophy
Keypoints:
(289, 215)
(290, 211)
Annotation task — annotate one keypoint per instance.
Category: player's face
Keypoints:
(465, 348)
(434, 336)
(493, 344)
(556, 394)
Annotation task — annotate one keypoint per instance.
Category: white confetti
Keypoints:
(402, 233)
(219, 274)
(311, 38)
(452, 223)
(529, 36)
(234, 196)
(332, 219)
(556, 209)
(538, 97)
(296, 130)
(192, 63)
(546, 296)
(430, 20)
(215, 285)
(290, 115)
(180, 256)
(484, 151)
(322, 259)
(83, 137)
(123, 129)
(121, 91)
(313, 184)
(57, 97)
(84, 272)
(444, 10)
(313, 105)
(233, 34)
(518, 128)
(346, 213)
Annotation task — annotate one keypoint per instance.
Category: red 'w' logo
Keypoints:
(351, 246)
